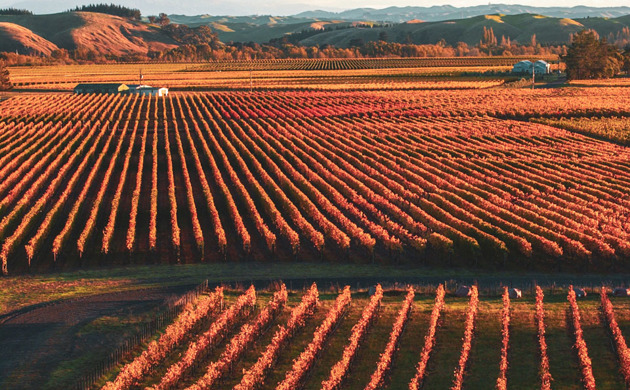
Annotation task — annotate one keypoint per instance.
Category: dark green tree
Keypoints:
(5, 82)
(110, 9)
(588, 57)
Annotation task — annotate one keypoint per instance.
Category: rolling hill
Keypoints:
(17, 38)
(519, 28)
(333, 28)
(446, 12)
(112, 35)
(103, 34)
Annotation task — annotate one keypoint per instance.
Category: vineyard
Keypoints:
(394, 339)
(616, 129)
(185, 78)
(366, 63)
(385, 176)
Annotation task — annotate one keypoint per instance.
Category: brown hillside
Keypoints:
(14, 37)
(115, 35)
(104, 34)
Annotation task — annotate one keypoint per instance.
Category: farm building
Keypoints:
(147, 90)
(522, 67)
(525, 67)
(542, 67)
(121, 88)
(100, 88)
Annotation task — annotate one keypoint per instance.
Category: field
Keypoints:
(421, 177)
(324, 74)
(73, 328)
(234, 346)
(614, 128)
(340, 172)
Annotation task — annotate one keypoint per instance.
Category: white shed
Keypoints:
(147, 90)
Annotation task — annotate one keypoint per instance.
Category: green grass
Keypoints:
(17, 292)
(523, 354)
(374, 344)
(411, 342)
(446, 353)
(485, 355)
(336, 344)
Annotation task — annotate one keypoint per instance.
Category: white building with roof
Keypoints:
(141, 89)
(525, 67)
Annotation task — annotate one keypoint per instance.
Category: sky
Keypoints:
(276, 7)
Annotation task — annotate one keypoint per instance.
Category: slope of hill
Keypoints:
(518, 28)
(404, 26)
(258, 29)
(101, 33)
(445, 12)
(14, 37)
(112, 35)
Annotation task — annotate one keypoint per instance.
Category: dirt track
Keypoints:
(37, 342)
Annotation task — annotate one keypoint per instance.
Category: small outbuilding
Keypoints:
(147, 90)
(541, 67)
(100, 88)
(525, 67)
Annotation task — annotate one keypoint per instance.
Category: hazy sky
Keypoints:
(278, 7)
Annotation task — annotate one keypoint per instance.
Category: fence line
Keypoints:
(173, 307)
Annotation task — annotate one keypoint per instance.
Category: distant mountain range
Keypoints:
(518, 28)
(106, 34)
(447, 12)
(411, 24)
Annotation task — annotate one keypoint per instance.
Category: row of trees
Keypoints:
(15, 11)
(5, 82)
(110, 9)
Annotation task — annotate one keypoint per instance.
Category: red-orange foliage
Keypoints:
(580, 345)
(339, 371)
(623, 353)
(545, 376)
(377, 380)
(429, 340)
(303, 363)
(505, 341)
(134, 371)
(471, 315)
(255, 376)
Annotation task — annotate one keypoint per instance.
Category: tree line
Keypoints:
(110, 9)
(15, 11)
(5, 82)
